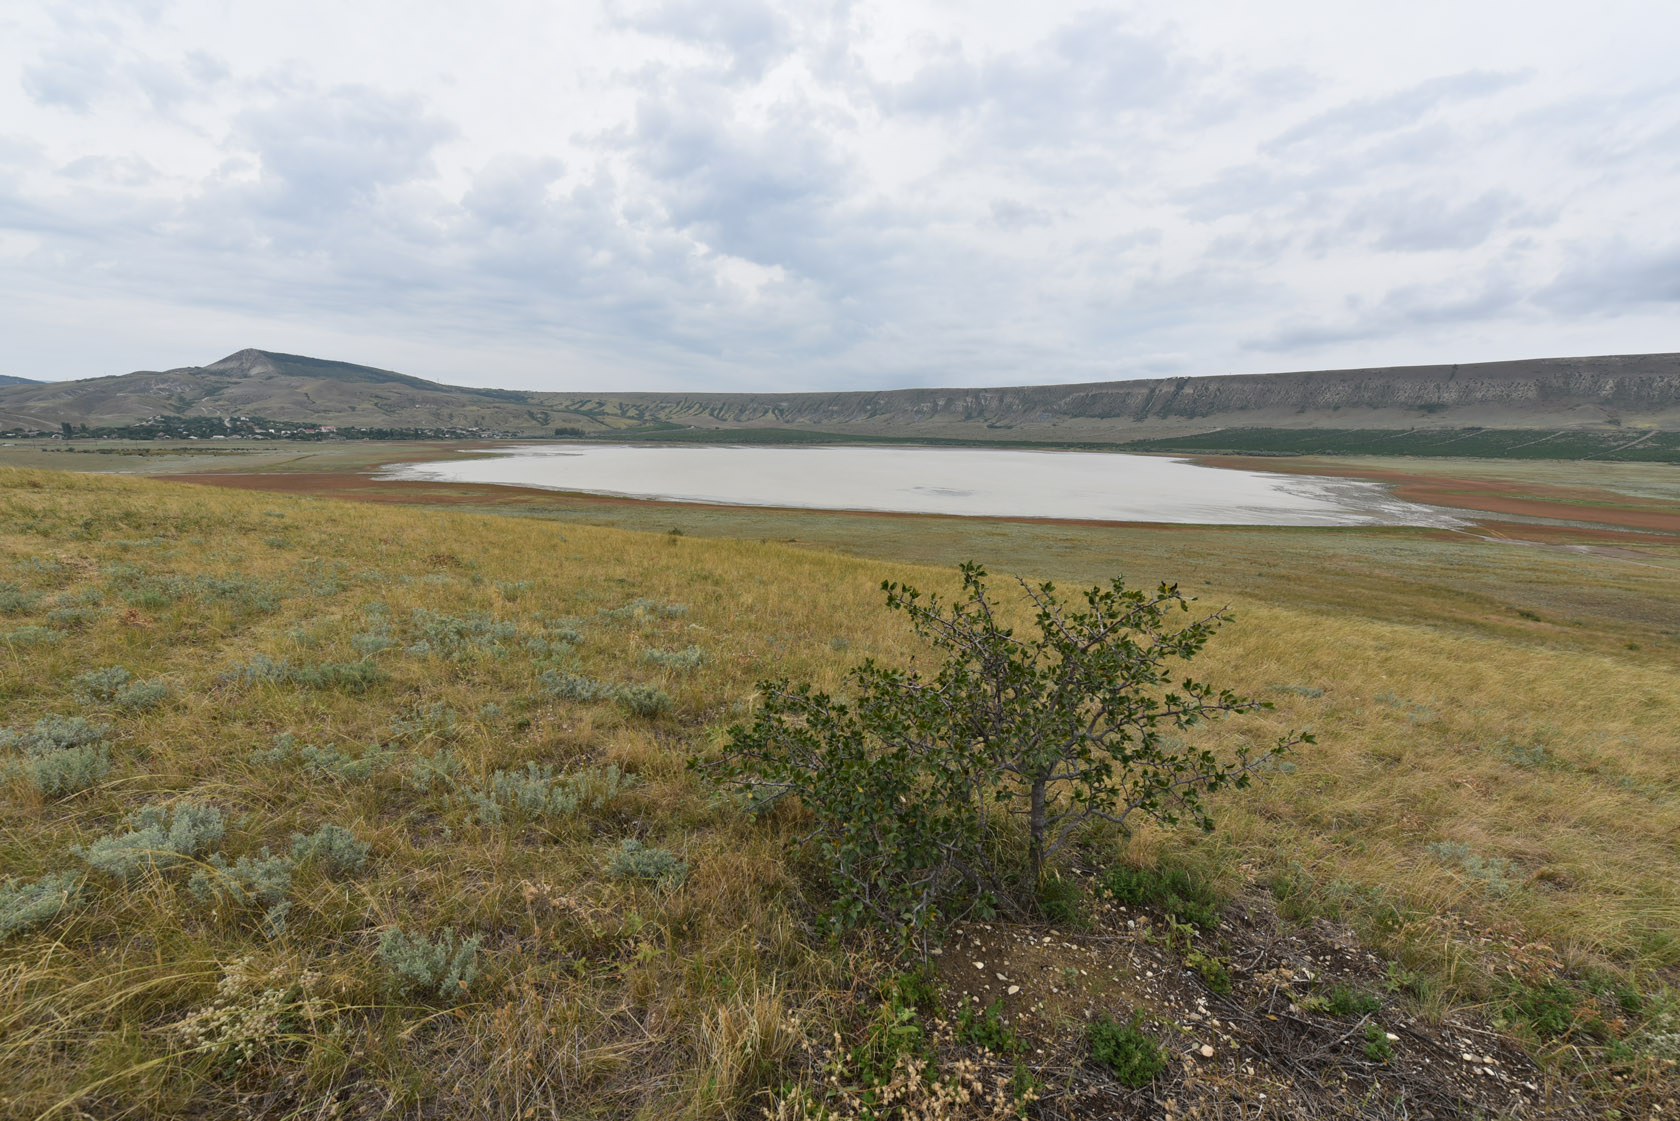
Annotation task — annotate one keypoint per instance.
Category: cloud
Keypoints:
(1370, 116)
(72, 77)
(1406, 308)
(1404, 222)
(749, 36)
(829, 192)
(1014, 216)
(325, 154)
(1615, 279)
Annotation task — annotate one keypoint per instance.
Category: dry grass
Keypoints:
(1484, 804)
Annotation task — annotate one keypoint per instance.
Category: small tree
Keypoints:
(912, 784)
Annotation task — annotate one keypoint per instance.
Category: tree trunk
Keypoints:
(1035, 829)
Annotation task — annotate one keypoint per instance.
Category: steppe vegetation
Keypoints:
(319, 809)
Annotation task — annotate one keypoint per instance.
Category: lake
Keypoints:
(983, 482)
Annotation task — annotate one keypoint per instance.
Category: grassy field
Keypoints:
(537, 911)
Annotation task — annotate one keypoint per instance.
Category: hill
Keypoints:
(8, 379)
(1631, 392)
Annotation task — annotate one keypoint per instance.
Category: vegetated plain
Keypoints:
(535, 909)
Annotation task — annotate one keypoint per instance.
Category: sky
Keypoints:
(761, 196)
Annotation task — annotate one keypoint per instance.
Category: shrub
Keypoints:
(15, 600)
(635, 861)
(1174, 890)
(690, 657)
(1548, 1008)
(1055, 730)
(333, 847)
(29, 636)
(71, 618)
(458, 636)
(55, 733)
(419, 966)
(59, 774)
(100, 686)
(23, 906)
(369, 643)
(574, 687)
(537, 791)
(261, 881)
(566, 630)
(1377, 1048)
(643, 611)
(1215, 974)
(141, 696)
(417, 724)
(158, 840)
(351, 677)
(441, 765)
(1061, 900)
(642, 700)
(1345, 1000)
(1131, 1055)
(988, 1029)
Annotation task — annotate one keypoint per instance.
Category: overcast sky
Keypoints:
(734, 194)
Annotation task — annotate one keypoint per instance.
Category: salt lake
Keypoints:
(985, 482)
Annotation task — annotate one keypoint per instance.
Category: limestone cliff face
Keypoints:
(1640, 389)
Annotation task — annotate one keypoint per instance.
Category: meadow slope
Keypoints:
(536, 910)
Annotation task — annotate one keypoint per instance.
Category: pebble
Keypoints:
(1013, 989)
(1207, 1050)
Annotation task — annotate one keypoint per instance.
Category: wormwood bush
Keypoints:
(574, 686)
(419, 966)
(264, 880)
(442, 765)
(59, 774)
(15, 600)
(29, 636)
(538, 791)
(159, 839)
(55, 733)
(351, 677)
(321, 762)
(635, 861)
(28, 905)
(333, 847)
(115, 686)
(458, 636)
(640, 700)
(434, 721)
(910, 783)
(643, 611)
(688, 658)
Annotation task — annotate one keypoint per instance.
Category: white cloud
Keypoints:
(823, 193)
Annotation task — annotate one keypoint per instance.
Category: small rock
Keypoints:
(982, 965)
(1207, 1050)
(1013, 989)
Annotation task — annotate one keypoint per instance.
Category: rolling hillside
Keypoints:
(1630, 392)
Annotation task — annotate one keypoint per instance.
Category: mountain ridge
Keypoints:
(1638, 391)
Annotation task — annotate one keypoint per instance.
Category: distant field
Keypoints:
(1493, 803)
